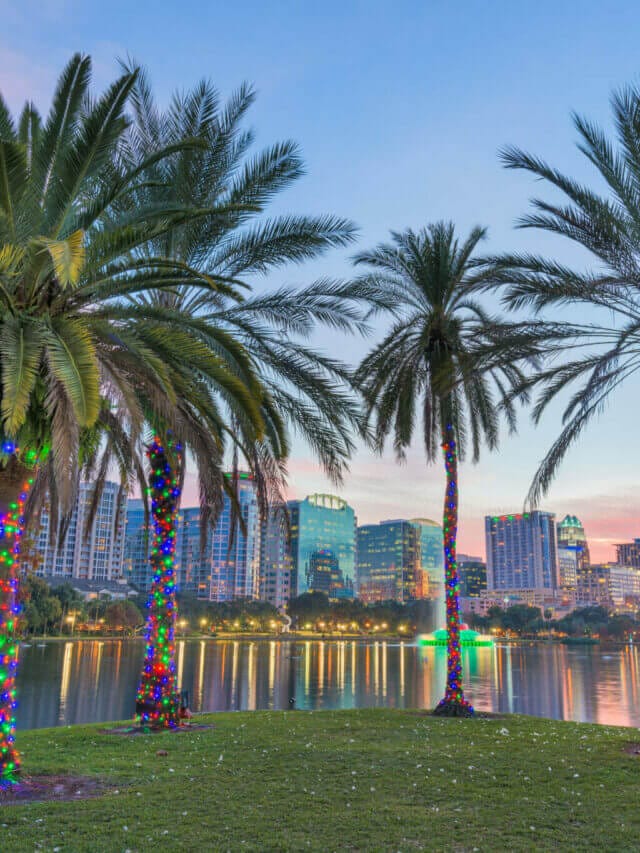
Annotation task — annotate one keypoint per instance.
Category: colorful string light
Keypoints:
(157, 702)
(11, 529)
(454, 703)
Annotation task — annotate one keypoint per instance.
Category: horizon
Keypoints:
(400, 117)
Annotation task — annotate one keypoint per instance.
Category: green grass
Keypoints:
(341, 780)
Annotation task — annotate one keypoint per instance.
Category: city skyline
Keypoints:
(417, 165)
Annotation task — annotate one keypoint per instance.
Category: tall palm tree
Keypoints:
(445, 368)
(235, 243)
(602, 354)
(72, 355)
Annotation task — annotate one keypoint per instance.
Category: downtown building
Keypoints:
(226, 568)
(573, 556)
(628, 554)
(389, 564)
(93, 554)
(430, 579)
(522, 553)
(322, 537)
(275, 559)
(472, 576)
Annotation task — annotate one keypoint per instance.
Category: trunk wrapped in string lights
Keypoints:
(158, 699)
(454, 703)
(15, 482)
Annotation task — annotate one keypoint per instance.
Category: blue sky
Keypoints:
(400, 109)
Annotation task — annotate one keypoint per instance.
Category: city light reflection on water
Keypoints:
(95, 680)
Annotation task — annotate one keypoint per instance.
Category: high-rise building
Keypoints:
(319, 523)
(235, 554)
(193, 563)
(137, 546)
(227, 567)
(624, 586)
(573, 551)
(521, 551)
(628, 554)
(388, 561)
(275, 560)
(430, 582)
(472, 576)
(94, 554)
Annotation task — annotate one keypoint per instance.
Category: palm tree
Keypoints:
(446, 367)
(73, 358)
(602, 354)
(234, 243)
(237, 244)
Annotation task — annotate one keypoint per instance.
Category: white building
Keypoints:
(275, 561)
(96, 554)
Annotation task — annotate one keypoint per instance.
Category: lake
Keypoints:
(80, 681)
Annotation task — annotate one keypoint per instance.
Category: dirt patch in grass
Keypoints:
(477, 715)
(632, 748)
(66, 788)
(148, 730)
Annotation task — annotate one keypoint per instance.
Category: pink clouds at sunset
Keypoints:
(379, 488)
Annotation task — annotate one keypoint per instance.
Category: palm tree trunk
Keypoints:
(454, 703)
(15, 481)
(158, 699)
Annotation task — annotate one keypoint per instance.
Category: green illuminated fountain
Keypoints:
(468, 637)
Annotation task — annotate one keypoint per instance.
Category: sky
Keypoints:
(400, 110)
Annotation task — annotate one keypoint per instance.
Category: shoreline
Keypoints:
(571, 642)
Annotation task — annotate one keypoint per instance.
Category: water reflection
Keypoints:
(83, 681)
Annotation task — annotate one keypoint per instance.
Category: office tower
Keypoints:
(573, 551)
(275, 560)
(227, 567)
(235, 554)
(94, 554)
(193, 564)
(189, 564)
(137, 545)
(521, 551)
(388, 561)
(430, 581)
(472, 576)
(628, 554)
(319, 523)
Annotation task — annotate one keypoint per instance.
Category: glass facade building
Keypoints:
(431, 583)
(320, 523)
(389, 562)
(573, 552)
(472, 576)
(137, 545)
(521, 551)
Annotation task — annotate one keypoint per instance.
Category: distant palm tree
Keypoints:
(73, 357)
(445, 369)
(603, 353)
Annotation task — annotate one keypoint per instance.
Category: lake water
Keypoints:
(90, 680)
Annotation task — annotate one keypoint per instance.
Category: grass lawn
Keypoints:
(338, 780)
